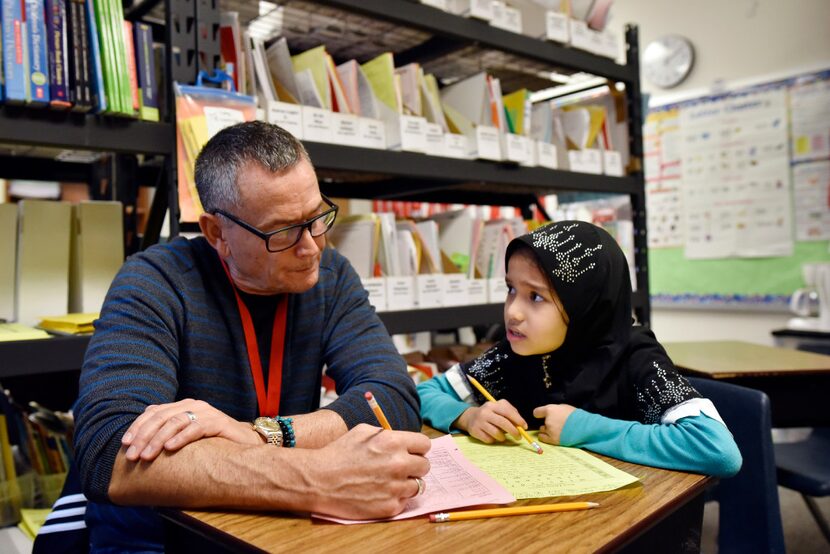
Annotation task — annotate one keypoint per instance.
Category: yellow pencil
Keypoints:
(489, 397)
(512, 511)
(378, 412)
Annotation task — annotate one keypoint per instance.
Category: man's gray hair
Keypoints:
(232, 148)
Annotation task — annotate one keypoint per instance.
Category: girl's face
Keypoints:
(534, 317)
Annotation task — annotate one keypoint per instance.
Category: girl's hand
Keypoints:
(168, 427)
(489, 422)
(555, 416)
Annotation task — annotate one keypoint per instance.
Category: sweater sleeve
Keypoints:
(130, 363)
(360, 356)
(440, 405)
(697, 443)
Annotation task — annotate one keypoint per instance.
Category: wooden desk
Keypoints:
(662, 513)
(796, 382)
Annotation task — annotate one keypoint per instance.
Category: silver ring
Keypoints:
(190, 415)
(422, 486)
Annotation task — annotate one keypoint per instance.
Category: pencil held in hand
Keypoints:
(522, 432)
(511, 511)
(370, 398)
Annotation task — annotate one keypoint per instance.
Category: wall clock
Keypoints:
(668, 60)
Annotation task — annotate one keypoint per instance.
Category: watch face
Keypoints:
(267, 424)
(668, 60)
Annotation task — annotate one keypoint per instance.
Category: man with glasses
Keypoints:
(199, 338)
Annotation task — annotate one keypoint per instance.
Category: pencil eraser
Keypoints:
(367, 395)
(432, 518)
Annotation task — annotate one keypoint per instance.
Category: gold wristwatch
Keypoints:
(270, 429)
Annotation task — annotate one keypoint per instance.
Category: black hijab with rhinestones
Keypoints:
(606, 365)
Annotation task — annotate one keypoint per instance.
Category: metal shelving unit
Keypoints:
(444, 44)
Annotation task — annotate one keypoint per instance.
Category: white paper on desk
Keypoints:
(452, 482)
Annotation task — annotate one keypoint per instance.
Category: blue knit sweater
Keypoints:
(170, 329)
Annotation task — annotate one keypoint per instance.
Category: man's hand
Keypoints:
(367, 473)
(489, 422)
(168, 427)
(555, 416)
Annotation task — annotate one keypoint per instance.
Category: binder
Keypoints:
(97, 253)
(42, 259)
(8, 254)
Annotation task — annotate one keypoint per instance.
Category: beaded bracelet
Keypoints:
(287, 431)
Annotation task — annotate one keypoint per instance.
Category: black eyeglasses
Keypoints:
(286, 237)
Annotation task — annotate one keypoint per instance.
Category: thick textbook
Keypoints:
(38, 73)
(56, 32)
(15, 51)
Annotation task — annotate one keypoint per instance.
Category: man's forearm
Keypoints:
(367, 473)
(215, 472)
(319, 428)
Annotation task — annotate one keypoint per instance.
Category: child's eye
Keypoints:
(511, 290)
(534, 297)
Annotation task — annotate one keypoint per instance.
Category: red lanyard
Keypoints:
(268, 405)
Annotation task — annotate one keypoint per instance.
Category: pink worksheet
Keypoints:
(452, 482)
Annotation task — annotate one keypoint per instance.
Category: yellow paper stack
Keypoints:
(32, 519)
(18, 331)
(69, 324)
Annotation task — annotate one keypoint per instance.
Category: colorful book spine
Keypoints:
(56, 32)
(129, 49)
(86, 96)
(145, 68)
(2, 76)
(38, 52)
(96, 72)
(15, 51)
(116, 15)
(73, 30)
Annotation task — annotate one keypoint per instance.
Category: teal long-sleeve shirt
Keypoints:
(694, 443)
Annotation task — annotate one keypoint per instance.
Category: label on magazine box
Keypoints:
(430, 290)
(400, 293)
(371, 133)
(457, 146)
(345, 129)
(612, 163)
(517, 149)
(547, 156)
(488, 143)
(413, 133)
(288, 116)
(481, 9)
(557, 27)
(477, 291)
(434, 139)
(317, 124)
(376, 287)
(456, 289)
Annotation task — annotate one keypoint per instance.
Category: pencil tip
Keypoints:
(593, 505)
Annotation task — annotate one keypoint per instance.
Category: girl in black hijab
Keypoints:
(574, 365)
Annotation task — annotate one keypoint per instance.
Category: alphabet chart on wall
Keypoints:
(736, 194)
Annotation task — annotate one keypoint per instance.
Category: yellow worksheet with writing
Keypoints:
(560, 471)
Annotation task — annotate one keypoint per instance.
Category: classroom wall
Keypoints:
(736, 42)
